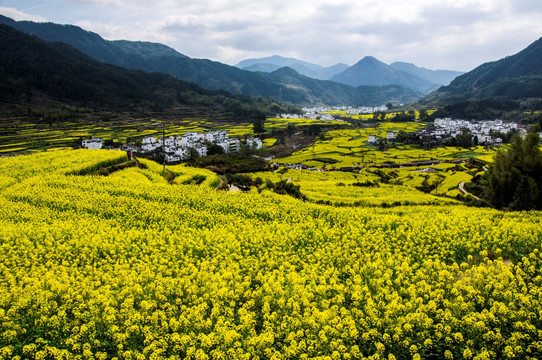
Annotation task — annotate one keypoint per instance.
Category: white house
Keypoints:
(169, 141)
(225, 145)
(390, 135)
(482, 139)
(172, 157)
(254, 142)
(191, 138)
(95, 143)
(148, 140)
(201, 149)
(183, 153)
(217, 136)
(234, 145)
(150, 147)
(372, 139)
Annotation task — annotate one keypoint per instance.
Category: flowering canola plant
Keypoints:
(131, 266)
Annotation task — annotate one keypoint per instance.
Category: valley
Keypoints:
(372, 211)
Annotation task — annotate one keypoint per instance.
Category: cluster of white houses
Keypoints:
(351, 110)
(313, 116)
(177, 148)
(481, 129)
(447, 128)
(366, 110)
(319, 112)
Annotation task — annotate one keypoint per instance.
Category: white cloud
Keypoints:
(455, 34)
(20, 15)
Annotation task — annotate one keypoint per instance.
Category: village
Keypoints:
(319, 112)
(481, 132)
(179, 148)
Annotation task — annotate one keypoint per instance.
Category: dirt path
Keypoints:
(463, 191)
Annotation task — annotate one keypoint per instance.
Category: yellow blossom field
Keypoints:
(348, 148)
(135, 266)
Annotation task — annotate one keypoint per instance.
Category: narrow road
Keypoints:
(463, 191)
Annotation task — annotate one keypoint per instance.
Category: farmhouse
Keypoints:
(95, 143)
(172, 157)
(230, 145)
(254, 143)
(372, 139)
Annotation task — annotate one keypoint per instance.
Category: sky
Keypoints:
(436, 34)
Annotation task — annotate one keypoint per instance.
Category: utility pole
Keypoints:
(164, 145)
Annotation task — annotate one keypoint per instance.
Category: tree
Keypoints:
(258, 127)
(424, 116)
(214, 149)
(515, 177)
(464, 139)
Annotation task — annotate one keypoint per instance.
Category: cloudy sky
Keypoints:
(437, 34)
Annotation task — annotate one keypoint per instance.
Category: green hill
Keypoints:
(35, 72)
(517, 77)
(208, 74)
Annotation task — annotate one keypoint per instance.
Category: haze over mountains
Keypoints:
(368, 71)
(275, 62)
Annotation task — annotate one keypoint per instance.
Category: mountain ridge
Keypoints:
(373, 72)
(515, 77)
(31, 68)
(274, 62)
(206, 73)
(441, 77)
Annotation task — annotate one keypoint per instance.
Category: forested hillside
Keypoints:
(208, 74)
(517, 77)
(31, 68)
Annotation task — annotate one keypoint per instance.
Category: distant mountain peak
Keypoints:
(370, 58)
(271, 63)
(371, 71)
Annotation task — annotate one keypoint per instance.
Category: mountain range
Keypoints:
(209, 74)
(508, 82)
(441, 77)
(368, 71)
(275, 62)
(35, 73)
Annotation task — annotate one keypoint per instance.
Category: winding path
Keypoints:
(461, 187)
